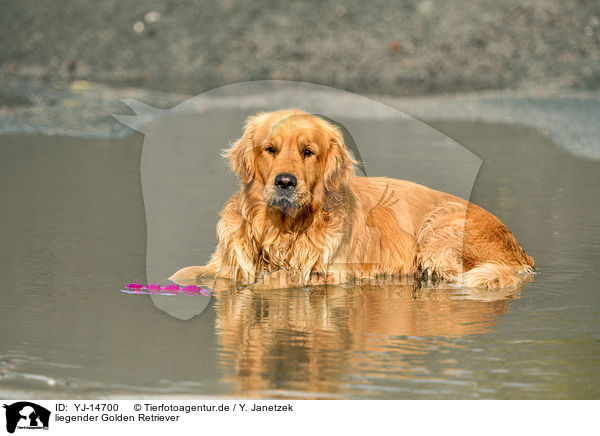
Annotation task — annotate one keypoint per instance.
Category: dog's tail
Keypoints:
(495, 275)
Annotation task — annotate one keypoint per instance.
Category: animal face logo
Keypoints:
(24, 414)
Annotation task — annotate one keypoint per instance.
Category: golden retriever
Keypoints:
(302, 217)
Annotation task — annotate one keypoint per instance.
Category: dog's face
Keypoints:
(290, 159)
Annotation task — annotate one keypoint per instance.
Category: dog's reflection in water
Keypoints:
(311, 340)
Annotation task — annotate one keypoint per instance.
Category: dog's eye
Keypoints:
(308, 152)
(270, 149)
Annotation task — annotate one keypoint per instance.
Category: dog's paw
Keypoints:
(190, 274)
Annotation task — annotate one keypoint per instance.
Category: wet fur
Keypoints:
(346, 227)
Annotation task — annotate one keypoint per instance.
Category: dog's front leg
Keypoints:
(191, 274)
(335, 275)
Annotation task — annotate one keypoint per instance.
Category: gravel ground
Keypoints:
(65, 66)
(82, 108)
(409, 47)
(570, 119)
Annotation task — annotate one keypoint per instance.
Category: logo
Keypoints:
(26, 415)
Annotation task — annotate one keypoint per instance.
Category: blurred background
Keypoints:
(407, 47)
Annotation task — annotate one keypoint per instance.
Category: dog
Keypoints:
(302, 217)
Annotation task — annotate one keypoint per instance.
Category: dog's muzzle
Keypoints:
(284, 200)
(284, 195)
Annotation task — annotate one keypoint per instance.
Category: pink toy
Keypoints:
(156, 289)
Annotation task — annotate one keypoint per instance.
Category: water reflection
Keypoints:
(312, 340)
(75, 232)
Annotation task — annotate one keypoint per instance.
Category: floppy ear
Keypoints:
(241, 154)
(338, 163)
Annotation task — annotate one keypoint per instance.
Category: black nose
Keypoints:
(285, 181)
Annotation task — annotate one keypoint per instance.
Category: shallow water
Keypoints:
(74, 231)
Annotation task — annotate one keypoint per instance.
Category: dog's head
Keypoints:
(291, 159)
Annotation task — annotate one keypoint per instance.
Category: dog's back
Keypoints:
(453, 239)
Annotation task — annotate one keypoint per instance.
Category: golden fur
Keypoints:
(338, 329)
(335, 227)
